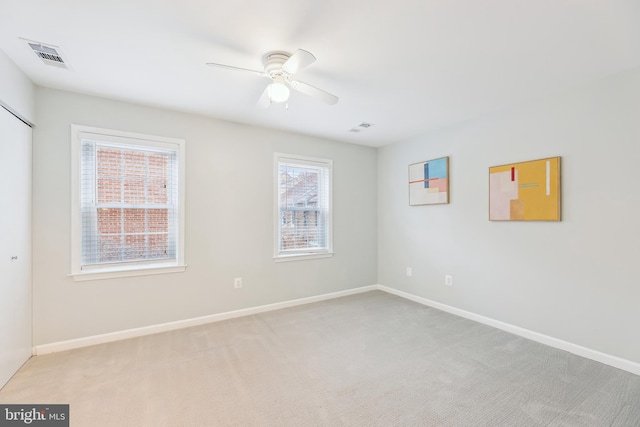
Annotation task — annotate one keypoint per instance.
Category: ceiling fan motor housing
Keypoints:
(273, 64)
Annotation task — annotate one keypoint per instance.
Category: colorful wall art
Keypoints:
(526, 191)
(429, 182)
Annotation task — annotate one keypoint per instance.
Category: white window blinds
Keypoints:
(304, 202)
(129, 204)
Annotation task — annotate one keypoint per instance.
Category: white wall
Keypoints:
(16, 95)
(577, 280)
(229, 229)
(16, 90)
(15, 245)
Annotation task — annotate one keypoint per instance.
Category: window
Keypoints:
(127, 204)
(303, 207)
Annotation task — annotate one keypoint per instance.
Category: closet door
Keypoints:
(15, 244)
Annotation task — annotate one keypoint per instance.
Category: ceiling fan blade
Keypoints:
(264, 101)
(300, 59)
(231, 67)
(314, 92)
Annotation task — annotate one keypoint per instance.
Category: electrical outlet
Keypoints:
(237, 282)
(409, 272)
(448, 280)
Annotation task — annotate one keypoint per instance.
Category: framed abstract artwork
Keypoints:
(525, 191)
(429, 182)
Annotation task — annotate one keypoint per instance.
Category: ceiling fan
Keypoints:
(280, 67)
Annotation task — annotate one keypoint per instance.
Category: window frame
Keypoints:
(303, 254)
(122, 138)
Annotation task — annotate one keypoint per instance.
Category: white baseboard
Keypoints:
(607, 359)
(170, 326)
(598, 356)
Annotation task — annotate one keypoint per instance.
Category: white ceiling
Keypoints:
(406, 66)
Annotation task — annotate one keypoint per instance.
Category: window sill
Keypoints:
(115, 273)
(301, 257)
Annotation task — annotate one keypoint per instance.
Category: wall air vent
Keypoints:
(48, 55)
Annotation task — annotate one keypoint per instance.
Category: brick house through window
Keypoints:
(299, 209)
(303, 200)
(127, 204)
(132, 205)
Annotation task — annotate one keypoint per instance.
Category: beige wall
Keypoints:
(575, 280)
(229, 222)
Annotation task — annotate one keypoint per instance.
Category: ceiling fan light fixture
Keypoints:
(278, 92)
(280, 67)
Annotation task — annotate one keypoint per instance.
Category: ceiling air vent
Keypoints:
(48, 55)
(360, 127)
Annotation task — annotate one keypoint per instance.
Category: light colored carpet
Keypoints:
(371, 359)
